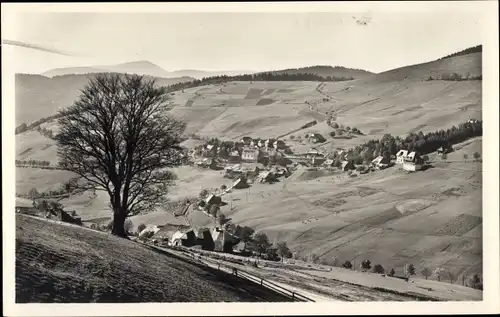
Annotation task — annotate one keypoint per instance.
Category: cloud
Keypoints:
(36, 47)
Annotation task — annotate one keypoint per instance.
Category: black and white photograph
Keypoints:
(250, 153)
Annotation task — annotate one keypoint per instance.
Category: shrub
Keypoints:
(379, 269)
(292, 137)
(141, 227)
(466, 156)
(410, 269)
(203, 193)
(33, 193)
(477, 156)
(366, 265)
(392, 272)
(347, 265)
(426, 272)
(332, 134)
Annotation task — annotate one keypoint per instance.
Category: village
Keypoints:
(245, 162)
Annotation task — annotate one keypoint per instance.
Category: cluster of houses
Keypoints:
(216, 238)
(209, 239)
(33, 208)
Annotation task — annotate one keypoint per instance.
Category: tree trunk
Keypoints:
(119, 224)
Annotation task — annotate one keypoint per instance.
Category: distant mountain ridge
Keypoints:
(38, 96)
(140, 68)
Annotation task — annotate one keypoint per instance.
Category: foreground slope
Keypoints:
(60, 263)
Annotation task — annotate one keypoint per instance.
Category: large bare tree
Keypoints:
(118, 136)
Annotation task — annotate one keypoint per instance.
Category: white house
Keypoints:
(401, 156)
(250, 154)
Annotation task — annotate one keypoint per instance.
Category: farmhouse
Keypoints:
(186, 238)
(266, 176)
(279, 145)
(318, 160)
(250, 154)
(316, 138)
(212, 200)
(223, 241)
(24, 205)
(240, 183)
(246, 140)
(313, 152)
(234, 157)
(269, 143)
(328, 163)
(347, 165)
(445, 150)
(413, 162)
(401, 156)
(209, 151)
(380, 162)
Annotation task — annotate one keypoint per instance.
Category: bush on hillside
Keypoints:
(347, 265)
(426, 272)
(379, 269)
(366, 265)
(141, 227)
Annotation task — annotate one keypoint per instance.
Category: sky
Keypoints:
(238, 40)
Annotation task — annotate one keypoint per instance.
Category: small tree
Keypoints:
(477, 156)
(347, 265)
(440, 273)
(292, 137)
(379, 269)
(466, 157)
(283, 250)
(262, 243)
(426, 272)
(246, 234)
(33, 193)
(425, 158)
(392, 272)
(222, 219)
(214, 210)
(203, 193)
(476, 282)
(366, 265)
(410, 270)
(128, 226)
(314, 258)
(332, 134)
(223, 187)
(141, 227)
(451, 276)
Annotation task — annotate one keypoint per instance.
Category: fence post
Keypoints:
(293, 295)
